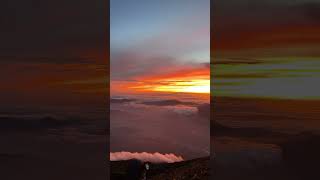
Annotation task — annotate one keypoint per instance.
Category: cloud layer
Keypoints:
(144, 156)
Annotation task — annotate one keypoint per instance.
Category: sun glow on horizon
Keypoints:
(192, 86)
(183, 86)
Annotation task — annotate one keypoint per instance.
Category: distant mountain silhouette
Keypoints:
(171, 102)
(218, 129)
(124, 100)
(34, 124)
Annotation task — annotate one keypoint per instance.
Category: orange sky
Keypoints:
(49, 83)
(187, 80)
(268, 49)
(291, 35)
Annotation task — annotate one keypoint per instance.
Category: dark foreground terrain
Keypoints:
(52, 149)
(196, 169)
(263, 139)
(258, 154)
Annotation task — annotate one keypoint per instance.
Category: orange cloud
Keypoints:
(188, 80)
(288, 36)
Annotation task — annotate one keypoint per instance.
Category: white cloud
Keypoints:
(144, 156)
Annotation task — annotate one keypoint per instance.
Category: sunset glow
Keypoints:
(189, 80)
(191, 86)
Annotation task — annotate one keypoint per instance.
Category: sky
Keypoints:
(160, 46)
(265, 71)
(52, 60)
(53, 91)
(266, 49)
(160, 79)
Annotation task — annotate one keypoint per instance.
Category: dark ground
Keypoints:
(188, 170)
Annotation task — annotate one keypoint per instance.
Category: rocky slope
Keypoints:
(196, 169)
